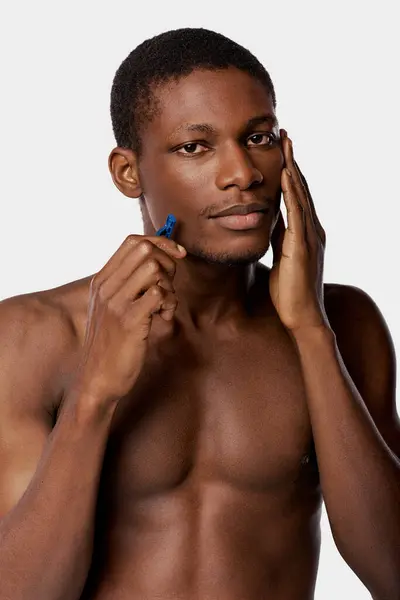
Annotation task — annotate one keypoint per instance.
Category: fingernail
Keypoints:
(288, 172)
(283, 133)
(181, 248)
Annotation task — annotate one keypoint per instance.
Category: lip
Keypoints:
(242, 209)
(241, 222)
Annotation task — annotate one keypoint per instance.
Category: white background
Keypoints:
(335, 70)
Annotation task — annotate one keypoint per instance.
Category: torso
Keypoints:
(210, 485)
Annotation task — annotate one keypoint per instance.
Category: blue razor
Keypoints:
(168, 228)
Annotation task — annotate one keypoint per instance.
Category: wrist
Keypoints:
(89, 403)
(315, 333)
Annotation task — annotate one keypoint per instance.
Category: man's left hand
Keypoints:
(296, 277)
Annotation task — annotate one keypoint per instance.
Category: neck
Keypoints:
(209, 294)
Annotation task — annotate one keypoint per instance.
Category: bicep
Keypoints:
(366, 346)
(30, 349)
(21, 445)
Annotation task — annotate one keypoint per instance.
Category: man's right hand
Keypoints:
(134, 284)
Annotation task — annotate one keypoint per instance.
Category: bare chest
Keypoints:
(230, 410)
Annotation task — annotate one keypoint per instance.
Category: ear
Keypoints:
(123, 166)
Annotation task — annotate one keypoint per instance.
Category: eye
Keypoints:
(190, 148)
(257, 139)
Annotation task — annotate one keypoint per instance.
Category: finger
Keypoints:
(146, 275)
(300, 189)
(316, 221)
(277, 238)
(295, 213)
(168, 245)
(142, 252)
(154, 258)
(129, 244)
(129, 255)
(155, 300)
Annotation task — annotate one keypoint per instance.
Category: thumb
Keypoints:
(277, 238)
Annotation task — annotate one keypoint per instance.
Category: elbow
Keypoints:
(379, 572)
(388, 589)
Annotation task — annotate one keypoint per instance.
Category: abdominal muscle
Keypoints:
(207, 543)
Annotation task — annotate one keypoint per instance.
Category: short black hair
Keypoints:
(167, 56)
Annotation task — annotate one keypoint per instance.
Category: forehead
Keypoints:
(225, 98)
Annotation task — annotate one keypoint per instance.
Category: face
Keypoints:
(214, 143)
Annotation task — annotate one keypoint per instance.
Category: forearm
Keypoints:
(46, 540)
(360, 476)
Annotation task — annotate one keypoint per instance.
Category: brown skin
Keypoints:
(199, 440)
(220, 173)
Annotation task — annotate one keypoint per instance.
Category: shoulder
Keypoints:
(358, 324)
(52, 313)
(352, 310)
(56, 312)
(40, 334)
(337, 292)
(30, 320)
(367, 349)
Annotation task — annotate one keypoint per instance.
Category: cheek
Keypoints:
(281, 159)
(157, 182)
(174, 189)
(191, 175)
(179, 181)
(278, 159)
(273, 174)
(273, 169)
(168, 176)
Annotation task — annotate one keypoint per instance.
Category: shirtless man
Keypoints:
(170, 425)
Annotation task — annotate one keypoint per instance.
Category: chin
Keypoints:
(232, 258)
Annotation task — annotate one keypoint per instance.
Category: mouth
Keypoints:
(242, 209)
(237, 222)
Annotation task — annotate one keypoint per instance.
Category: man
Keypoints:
(170, 425)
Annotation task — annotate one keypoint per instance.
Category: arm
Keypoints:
(46, 538)
(48, 478)
(351, 397)
(357, 435)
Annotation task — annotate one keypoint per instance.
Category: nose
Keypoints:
(236, 168)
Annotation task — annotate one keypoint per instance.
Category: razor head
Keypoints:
(168, 228)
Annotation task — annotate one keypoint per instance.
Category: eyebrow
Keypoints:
(211, 130)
